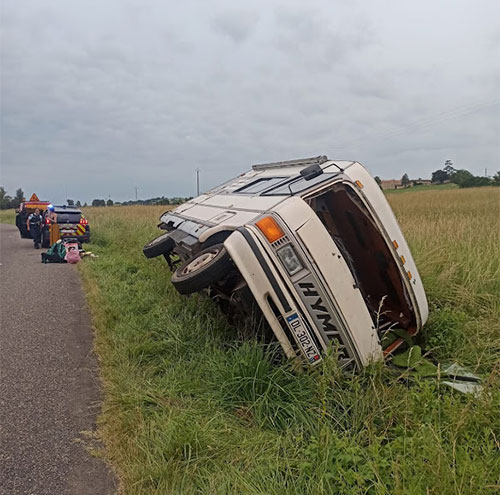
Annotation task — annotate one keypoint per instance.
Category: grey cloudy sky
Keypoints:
(98, 97)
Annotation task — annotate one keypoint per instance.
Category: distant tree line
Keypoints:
(145, 202)
(462, 177)
(177, 200)
(7, 201)
(102, 202)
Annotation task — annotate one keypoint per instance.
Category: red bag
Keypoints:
(72, 252)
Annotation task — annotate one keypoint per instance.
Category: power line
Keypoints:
(428, 122)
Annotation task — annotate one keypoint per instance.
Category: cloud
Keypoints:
(237, 24)
(133, 96)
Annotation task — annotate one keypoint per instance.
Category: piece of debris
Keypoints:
(461, 379)
(453, 375)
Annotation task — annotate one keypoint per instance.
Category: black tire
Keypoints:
(202, 270)
(161, 245)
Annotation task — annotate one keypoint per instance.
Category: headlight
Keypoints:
(290, 259)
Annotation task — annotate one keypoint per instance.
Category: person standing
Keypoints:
(51, 219)
(20, 221)
(34, 226)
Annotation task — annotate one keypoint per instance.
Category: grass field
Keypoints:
(195, 406)
(432, 187)
(7, 216)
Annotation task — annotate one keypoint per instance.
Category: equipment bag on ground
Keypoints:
(72, 252)
(55, 254)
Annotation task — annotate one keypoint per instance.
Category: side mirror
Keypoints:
(311, 172)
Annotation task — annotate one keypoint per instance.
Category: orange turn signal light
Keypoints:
(270, 229)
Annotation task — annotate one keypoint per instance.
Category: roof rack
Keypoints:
(292, 163)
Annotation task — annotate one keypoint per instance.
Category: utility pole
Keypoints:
(136, 189)
(197, 182)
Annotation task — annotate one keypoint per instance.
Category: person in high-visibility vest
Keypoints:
(51, 218)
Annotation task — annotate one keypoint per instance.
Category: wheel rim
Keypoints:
(200, 262)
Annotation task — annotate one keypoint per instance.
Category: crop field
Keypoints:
(195, 406)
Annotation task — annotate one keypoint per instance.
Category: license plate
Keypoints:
(303, 338)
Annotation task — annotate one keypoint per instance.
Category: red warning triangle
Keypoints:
(34, 197)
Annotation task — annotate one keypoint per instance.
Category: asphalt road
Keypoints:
(49, 390)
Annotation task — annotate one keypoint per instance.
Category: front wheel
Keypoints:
(161, 245)
(202, 270)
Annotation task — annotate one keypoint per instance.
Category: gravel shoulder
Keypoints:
(49, 388)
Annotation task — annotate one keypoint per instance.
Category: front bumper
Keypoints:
(281, 304)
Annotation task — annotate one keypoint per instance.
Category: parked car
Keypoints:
(72, 224)
(315, 243)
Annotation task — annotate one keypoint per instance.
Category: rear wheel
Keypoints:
(161, 245)
(202, 270)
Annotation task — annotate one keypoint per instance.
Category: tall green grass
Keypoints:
(432, 187)
(195, 406)
(8, 216)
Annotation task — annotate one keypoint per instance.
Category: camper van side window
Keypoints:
(299, 185)
(259, 185)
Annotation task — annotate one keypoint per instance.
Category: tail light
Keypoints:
(84, 221)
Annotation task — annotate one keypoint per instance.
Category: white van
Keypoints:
(315, 243)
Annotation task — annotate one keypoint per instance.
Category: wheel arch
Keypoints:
(215, 235)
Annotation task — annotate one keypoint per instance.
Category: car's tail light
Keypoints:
(270, 229)
(84, 221)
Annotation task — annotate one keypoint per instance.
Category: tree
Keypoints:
(109, 202)
(78, 204)
(405, 180)
(463, 178)
(440, 176)
(85, 205)
(98, 202)
(18, 198)
(5, 199)
(70, 202)
(496, 179)
(448, 168)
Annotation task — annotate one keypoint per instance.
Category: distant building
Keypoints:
(396, 183)
(391, 184)
(421, 182)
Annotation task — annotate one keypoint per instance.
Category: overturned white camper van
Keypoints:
(315, 243)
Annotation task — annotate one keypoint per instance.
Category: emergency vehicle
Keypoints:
(72, 224)
(26, 208)
(315, 243)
